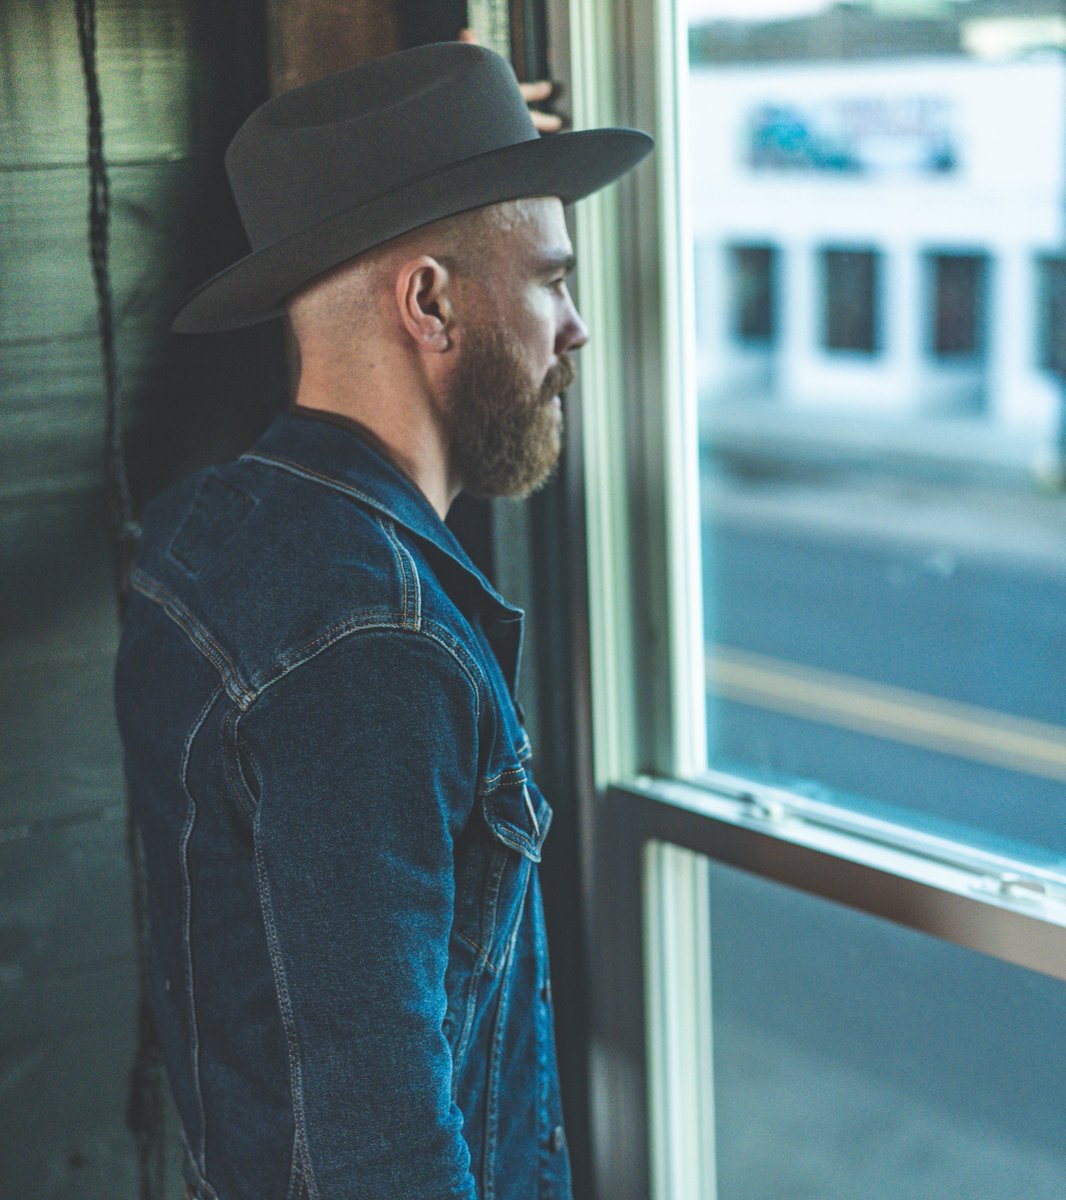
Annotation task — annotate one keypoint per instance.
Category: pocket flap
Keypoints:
(517, 813)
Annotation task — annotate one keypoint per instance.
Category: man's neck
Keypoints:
(399, 428)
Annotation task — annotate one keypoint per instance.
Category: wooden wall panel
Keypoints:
(312, 38)
(62, 1139)
(176, 77)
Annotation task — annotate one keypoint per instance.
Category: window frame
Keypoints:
(647, 799)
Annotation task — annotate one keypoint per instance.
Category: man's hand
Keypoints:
(533, 93)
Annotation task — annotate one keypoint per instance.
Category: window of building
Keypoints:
(1051, 336)
(957, 288)
(753, 280)
(850, 299)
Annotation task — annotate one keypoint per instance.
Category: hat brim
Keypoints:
(567, 165)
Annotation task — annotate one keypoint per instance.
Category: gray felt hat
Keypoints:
(331, 169)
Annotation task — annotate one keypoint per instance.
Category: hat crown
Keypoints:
(328, 171)
(351, 137)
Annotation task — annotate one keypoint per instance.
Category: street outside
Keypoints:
(894, 637)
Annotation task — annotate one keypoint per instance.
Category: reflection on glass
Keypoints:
(878, 206)
(856, 1059)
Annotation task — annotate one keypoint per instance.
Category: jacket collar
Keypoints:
(337, 453)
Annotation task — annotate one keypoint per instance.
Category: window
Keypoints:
(958, 304)
(850, 300)
(843, 1066)
(1052, 314)
(753, 273)
(828, 859)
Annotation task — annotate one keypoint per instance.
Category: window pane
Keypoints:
(854, 1058)
(850, 287)
(753, 270)
(881, 336)
(958, 282)
(1052, 284)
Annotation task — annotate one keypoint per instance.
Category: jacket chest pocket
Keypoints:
(502, 842)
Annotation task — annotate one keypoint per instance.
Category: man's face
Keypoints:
(503, 414)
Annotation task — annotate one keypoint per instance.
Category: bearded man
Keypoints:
(315, 685)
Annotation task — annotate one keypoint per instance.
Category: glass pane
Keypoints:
(878, 244)
(856, 1059)
(752, 276)
(958, 282)
(849, 300)
(1052, 349)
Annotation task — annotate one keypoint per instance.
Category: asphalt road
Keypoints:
(901, 642)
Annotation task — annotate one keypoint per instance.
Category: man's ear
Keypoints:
(423, 297)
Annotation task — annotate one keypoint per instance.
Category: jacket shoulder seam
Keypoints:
(298, 469)
(410, 585)
(427, 630)
(208, 646)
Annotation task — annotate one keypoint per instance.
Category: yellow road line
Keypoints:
(964, 730)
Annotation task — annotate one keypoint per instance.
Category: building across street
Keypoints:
(880, 240)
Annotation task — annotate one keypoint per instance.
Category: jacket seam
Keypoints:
(493, 783)
(245, 694)
(295, 1169)
(462, 1045)
(189, 1164)
(288, 1020)
(431, 631)
(294, 468)
(492, 1091)
(152, 590)
(302, 472)
(405, 564)
(486, 930)
(186, 921)
(243, 794)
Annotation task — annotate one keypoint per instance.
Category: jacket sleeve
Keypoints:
(365, 763)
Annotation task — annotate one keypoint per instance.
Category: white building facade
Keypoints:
(882, 238)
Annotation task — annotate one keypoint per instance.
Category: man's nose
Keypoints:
(573, 333)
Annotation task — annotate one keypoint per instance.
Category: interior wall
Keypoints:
(313, 38)
(176, 78)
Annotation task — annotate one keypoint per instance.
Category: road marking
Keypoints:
(899, 715)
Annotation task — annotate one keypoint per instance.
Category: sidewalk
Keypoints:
(967, 447)
(876, 484)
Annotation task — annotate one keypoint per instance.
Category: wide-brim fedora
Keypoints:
(332, 169)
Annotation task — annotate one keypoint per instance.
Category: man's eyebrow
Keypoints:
(564, 261)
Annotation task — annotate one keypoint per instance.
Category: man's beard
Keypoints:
(503, 430)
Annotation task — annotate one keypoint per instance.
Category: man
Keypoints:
(315, 686)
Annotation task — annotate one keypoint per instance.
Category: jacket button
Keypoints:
(557, 1139)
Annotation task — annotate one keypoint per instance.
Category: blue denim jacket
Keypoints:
(348, 963)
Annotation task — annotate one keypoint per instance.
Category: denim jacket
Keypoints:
(347, 956)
